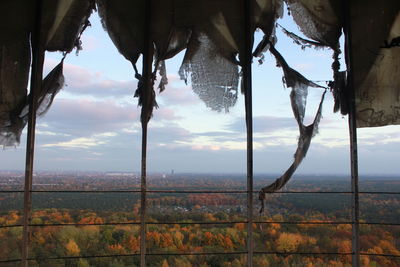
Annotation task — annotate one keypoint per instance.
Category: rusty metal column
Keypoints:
(355, 208)
(247, 86)
(35, 87)
(148, 50)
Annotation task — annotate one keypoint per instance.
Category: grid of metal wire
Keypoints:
(36, 78)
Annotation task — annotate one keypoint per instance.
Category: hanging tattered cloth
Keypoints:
(15, 57)
(62, 23)
(212, 31)
(376, 61)
(298, 98)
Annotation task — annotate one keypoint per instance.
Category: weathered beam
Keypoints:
(35, 87)
(355, 209)
(247, 86)
(148, 51)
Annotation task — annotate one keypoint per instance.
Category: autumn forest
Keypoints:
(98, 214)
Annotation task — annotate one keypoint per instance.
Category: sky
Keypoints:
(93, 124)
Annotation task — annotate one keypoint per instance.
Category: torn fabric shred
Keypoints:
(338, 85)
(124, 22)
(291, 76)
(318, 20)
(163, 73)
(322, 21)
(15, 58)
(63, 22)
(298, 98)
(51, 86)
(376, 70)
(10, 133)
(301, 41)
(214, 78)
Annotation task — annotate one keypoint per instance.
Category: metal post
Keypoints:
(35, 87)
(247, 83)
(143, 198)
(355, 209)
(148, 51)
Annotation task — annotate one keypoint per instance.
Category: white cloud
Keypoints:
(81, 142)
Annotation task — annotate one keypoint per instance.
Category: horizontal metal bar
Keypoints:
(10, 261)
(332, 223)
(202, 223)
(71, 224)
(192, 223)
(379, 255)
(301, 253)
(201, 191)
(205, 254)
(75, 191)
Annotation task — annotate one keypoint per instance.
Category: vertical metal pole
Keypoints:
(143, 198)
(35, 87)
(247, 83)
(355, 209)
(148, 51)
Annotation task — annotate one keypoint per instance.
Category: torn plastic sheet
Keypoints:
(214, 78)
(298, 98)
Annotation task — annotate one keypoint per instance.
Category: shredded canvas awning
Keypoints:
(62, 23)
(213, 34)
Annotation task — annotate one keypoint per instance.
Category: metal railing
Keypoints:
(228, 222)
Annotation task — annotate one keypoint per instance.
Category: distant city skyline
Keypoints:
(94, 122)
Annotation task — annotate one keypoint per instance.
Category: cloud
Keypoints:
(81, 81)
(85, 117)
(84, 82)
(303, 66)
(264, 124)
(169, 133)
(89, 42)
(164, 114)
(177, 93)
(81, 142)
